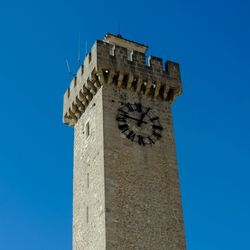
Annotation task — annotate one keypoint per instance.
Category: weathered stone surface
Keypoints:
(126, 196)
(142, 198)
(89, 200)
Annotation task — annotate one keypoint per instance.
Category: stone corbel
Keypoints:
(157, 89)
(79, 104)
(139, 83)
(91, 87)
(120, 78)
(130, 80)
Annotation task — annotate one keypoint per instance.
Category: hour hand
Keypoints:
(142, 117)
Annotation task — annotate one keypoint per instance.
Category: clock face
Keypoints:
(139, 124)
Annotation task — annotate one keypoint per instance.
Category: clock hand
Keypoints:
(142, 117)
(127, 116)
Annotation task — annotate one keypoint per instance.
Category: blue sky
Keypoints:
(210, 40)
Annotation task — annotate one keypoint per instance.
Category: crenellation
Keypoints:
(173, 70)
(126, 67)
(139, 85)
(156, 64)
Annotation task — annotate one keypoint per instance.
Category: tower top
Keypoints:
(125, 43)
(122, 63)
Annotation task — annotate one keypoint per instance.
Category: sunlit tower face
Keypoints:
(126, 184)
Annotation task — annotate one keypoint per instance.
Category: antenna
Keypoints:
(68, 67)
(86, 47)
(119, 28)
(79, 49)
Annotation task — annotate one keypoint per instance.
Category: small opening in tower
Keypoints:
(143, 87)
(125, 81)
(134, 84)
(87, 214)
(87, 180)
(161, 91)
(115, 78)
(170, 95)
(87, 129)
(152, 89)
(105, 74)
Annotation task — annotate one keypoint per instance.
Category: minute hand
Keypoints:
(142, 117)
(132, 118)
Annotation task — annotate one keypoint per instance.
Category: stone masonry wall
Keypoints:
(126, 195)
(88, 204)
(142, 196)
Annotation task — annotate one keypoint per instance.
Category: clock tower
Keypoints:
(126, 187)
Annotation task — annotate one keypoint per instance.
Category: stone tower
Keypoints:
(126, 184)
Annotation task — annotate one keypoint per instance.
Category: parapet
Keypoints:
(120, 62)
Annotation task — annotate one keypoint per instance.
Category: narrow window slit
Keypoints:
(170, 95)
(87, 129)
(134, 84)
(115, 78)
(105, 75)
(143, 87)
(161, 91)
(87, 180)
(87, 214)
(152, 90)
(125, 81)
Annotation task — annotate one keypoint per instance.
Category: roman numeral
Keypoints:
(130, 107)
(131, 135)
(156, 134)
(121, 118)
(157, 127)
(154, 118)
(141, 140)
(126, 129)
(122, 111)
(138, 107)
(123, 127)
(150, 139)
